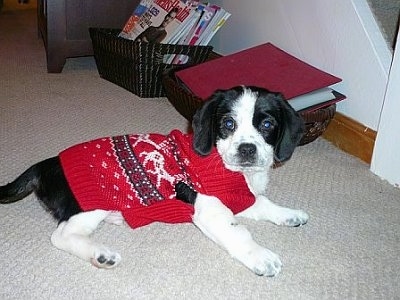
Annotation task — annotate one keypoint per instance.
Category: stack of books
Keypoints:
(305, 87)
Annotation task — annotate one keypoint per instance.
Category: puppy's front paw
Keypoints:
(105, 259)
(296, 218)
(289, 217)
(261, 261)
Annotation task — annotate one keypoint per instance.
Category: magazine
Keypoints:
(181, 34)
(134, 18)
(182, 30)
(216, 23)
(206, 17)
(160, 20)
(211, 20)
(183, 22)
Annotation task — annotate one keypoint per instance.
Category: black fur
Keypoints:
(207, 119)
(185, 193)
(288, 125)
(47, 181)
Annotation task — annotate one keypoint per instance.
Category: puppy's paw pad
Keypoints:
(263, 262)
(270, 265)
(298, 218)
(289, 217)
(106, 259)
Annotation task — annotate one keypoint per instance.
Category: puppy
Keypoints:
(219, 171)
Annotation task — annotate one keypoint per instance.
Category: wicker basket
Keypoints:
(186, 104)
(136, 66)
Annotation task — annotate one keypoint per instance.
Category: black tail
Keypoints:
(46, 179)
(21, 187)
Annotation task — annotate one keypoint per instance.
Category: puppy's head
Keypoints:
(250, 126)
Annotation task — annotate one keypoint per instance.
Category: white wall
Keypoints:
(386, 157)
(331, 35)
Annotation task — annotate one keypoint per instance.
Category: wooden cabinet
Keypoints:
(63, 25)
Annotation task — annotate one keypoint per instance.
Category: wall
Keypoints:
(386, 158)
(339, 37)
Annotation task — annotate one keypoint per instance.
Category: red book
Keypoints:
(265, 66)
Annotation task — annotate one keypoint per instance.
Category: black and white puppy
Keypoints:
(250, 128)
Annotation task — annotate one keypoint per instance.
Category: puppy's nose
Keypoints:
(247, 150)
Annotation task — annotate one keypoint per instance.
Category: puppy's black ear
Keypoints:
(291, 132)
(204, 125)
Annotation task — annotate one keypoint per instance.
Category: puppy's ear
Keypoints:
(204, 125)
(291, 132)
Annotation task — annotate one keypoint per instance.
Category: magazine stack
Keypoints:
(182, 22)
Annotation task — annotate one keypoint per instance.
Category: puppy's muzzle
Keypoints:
(247, 153)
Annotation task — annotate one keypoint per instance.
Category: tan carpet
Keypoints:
(349, 249)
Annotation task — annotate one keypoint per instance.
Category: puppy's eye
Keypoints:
(266, 125)
(229, 124)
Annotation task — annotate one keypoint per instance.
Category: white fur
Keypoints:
(218, 223)
(72, 236)
(243, 112)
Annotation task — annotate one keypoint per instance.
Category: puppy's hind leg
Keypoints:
(72, 236)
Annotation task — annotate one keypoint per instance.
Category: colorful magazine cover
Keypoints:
(160, 20)
(134, 18)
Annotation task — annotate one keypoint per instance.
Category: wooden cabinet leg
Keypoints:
(55, 62)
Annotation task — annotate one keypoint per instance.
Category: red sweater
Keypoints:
(136, 175)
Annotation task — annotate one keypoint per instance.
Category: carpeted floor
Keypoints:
(348, 250)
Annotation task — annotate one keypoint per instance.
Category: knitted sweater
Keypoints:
(136, 175)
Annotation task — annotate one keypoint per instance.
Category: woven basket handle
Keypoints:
(182, 55)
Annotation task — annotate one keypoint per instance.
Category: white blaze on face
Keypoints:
(243, 113)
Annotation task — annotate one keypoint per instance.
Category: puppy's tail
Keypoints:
(23, 185)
